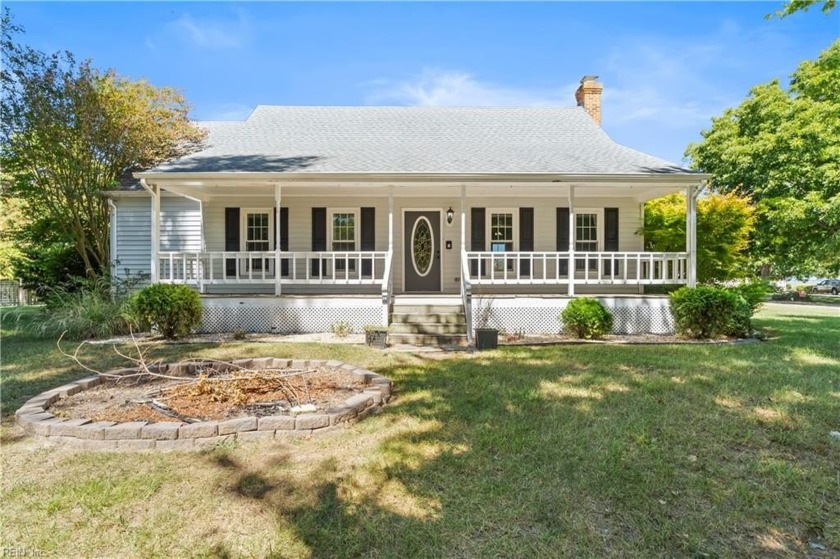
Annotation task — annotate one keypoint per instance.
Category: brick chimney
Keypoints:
(588, 96)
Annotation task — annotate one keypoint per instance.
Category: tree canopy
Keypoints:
(781, 147)
(70, 132)
(793, 6)
(724, 224)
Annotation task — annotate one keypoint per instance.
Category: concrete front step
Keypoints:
(435, 324)
(427, 309)
(435, 328)
(418, 318)
(427, 339)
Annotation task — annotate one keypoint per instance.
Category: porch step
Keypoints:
(427, 339)
(434, 328)
(428, 324)
(427, 309)
(431, 318)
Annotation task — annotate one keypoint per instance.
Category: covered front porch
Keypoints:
(382, 237)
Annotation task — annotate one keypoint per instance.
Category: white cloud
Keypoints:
(434, 87)
(212, 34)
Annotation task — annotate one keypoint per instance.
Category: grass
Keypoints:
(580, 451)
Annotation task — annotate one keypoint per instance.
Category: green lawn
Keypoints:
(625, 451)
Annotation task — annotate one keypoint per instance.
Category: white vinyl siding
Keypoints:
(132, 253)
(180, 229)
(180, 224)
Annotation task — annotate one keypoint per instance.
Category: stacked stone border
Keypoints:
(35, 418)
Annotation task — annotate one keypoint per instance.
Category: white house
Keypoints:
(300, 217)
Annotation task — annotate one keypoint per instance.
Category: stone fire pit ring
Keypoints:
(35, 419)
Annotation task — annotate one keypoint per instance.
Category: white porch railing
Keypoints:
(300, 268)
(595, 268)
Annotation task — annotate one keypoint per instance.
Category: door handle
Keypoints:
(437, 254)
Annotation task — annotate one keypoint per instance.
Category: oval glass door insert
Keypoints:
(422, 246)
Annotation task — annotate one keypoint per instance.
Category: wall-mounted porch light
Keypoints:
(450, 216)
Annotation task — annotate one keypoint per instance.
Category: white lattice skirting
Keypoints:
(287, 316)
(532, 315)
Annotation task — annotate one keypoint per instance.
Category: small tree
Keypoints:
(70, 132)
(724, 224)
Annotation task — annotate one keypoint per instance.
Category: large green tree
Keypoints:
(724, 224)
(781, 147)
(793, 6)
(71, 132)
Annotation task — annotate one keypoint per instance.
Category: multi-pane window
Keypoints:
(257, 232)
(586, 237)
(257, 236)
(586, 232)
(501, 232)
(501, 236)
(343, 231)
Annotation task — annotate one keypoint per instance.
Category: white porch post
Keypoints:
(277, 196)
(463, 219)
(387, 289)
(391, 221)
(572, 221)
(155, 270)
(691, 234)
(202, 247)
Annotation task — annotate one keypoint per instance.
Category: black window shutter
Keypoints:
(231, 239)
(610, 236)
(526, 238)
(368, 237)
(284, 240)
(563, 239)
(477, 237)
(319, 237)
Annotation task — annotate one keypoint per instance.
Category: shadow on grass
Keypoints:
(560, 451)
(567, 451)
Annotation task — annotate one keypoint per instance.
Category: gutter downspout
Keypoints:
(112, 240)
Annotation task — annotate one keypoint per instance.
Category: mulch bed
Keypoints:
(212, 397)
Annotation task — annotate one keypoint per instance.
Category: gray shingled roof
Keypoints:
(459, 140)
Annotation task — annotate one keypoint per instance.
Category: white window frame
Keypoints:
(243, 236)
(514, 212)
(599, 231)
(515, 224)
(357, 224)
(599, 228)
(243, 227)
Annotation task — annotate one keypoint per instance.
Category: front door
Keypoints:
(421, 257)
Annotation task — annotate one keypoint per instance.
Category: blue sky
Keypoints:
(667, 67)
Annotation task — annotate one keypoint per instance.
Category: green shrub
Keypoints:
(173, 310)
(82, 310)
(755, 293)
(709, 312)
(586, 318)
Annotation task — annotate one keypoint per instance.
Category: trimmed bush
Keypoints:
(710, 312)
(586, 317)
(173, 310)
